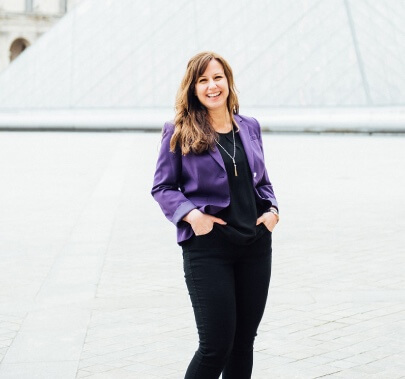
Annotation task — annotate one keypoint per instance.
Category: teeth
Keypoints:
(214, 94)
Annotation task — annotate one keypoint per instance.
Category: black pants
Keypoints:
(228, 286)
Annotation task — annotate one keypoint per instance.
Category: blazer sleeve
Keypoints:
(264, 186)
(167, 180)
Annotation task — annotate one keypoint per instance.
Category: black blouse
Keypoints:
(242, 213)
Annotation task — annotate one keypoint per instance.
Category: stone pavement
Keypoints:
(91, 281)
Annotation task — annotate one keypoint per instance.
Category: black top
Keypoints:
(242, 213)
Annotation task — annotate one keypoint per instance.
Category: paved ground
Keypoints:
(91, 282)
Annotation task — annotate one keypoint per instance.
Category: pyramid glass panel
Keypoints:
(132, 54)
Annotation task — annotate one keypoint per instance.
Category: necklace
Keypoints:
(234, 151)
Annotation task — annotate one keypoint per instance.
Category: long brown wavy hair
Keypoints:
(193, 131)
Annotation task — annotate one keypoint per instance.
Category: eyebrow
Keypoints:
(217, 73)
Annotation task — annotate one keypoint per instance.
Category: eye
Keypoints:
(218, 77)
(201, 80)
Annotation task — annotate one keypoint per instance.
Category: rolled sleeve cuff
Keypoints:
(273, 206)
(182, 210)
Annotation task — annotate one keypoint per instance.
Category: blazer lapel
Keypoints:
(246, 141)
(217, 157)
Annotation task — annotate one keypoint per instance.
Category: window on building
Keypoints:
(63, 6)
(29, 5)
(17, 47)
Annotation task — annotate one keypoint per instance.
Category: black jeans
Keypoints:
(228, 286)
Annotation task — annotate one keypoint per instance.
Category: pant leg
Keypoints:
(210, 281)
(252, 278)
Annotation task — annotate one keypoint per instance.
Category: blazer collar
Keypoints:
(246, 142)
(217, 157)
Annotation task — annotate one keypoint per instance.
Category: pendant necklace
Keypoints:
(234, 151)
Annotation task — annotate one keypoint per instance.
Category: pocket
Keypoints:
(265, 227)
(207, 234)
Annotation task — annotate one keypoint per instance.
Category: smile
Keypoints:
(214, 94)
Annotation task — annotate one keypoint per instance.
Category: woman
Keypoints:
(211, 182)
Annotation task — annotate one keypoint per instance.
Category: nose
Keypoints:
(211, 83)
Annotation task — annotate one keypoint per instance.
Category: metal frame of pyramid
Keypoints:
(299, 65)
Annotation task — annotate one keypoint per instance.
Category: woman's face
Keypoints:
(211, 87)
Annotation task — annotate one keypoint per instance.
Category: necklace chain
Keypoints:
(234, 151)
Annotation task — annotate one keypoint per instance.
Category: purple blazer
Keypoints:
(182, 183)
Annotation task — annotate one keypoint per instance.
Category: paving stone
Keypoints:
(91, 280)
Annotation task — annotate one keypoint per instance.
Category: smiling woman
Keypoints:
(211, 182)
(197, 109)
(211, 88)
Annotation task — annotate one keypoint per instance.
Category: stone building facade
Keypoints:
(22, 22)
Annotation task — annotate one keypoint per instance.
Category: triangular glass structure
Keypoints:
(132, 54)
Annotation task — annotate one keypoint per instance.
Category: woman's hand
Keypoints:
(269, 219)
(201, 223)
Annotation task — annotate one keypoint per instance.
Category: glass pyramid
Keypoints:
(133, 53)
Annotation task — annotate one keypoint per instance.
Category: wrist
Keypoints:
(275, 212)
(190, 215)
